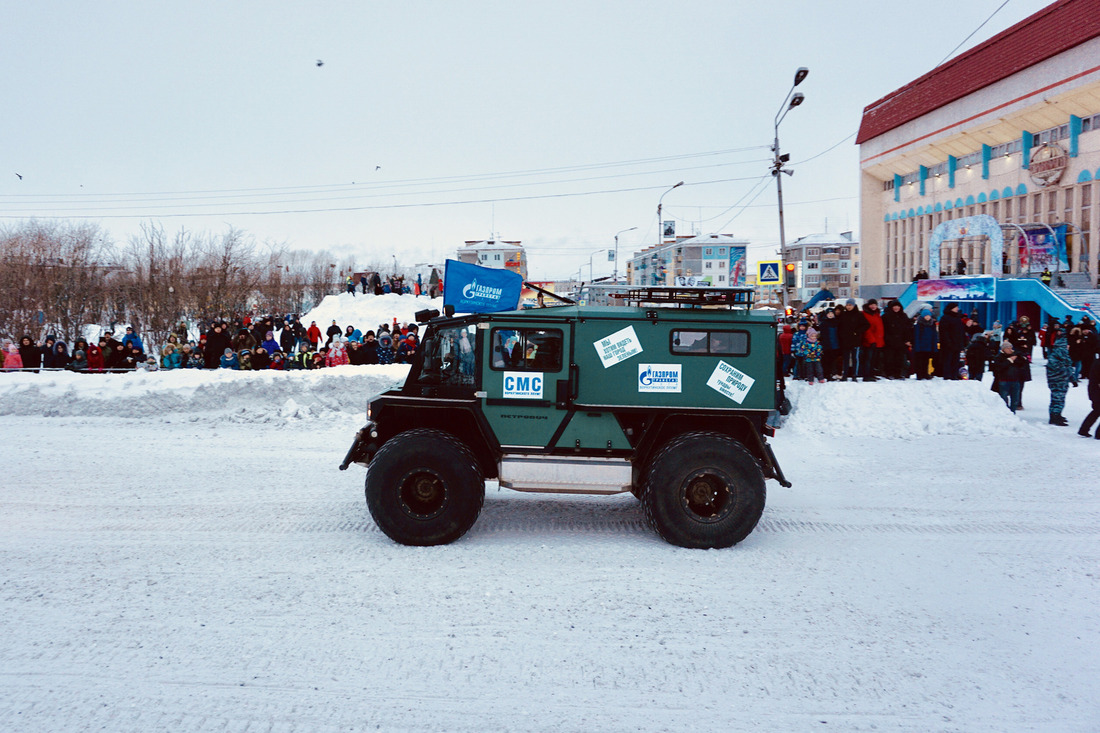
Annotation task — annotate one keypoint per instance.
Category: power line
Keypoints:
(956, 48)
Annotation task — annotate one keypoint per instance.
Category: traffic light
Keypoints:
(789, 274)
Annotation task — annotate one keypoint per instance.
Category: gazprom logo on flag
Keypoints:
(473, 291)
(659, 378)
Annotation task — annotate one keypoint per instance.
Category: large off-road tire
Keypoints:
(703, 490)
(424, 488)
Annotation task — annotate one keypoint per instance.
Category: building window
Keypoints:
(812, 265)
(813, 279)
(721, 251)
(813, 252)
(708, 252)
(721, 264)
(707, 264)
(844, 251)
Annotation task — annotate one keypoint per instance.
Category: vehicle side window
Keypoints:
(526, 349)
(715, 343)
(450, 357)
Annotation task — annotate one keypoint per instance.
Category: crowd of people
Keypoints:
(848, 343)
(245, 343)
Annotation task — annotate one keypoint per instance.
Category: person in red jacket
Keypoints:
(313, 334)
(870, 352)
(785, 348)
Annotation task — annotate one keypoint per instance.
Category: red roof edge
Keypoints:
(1056, 28)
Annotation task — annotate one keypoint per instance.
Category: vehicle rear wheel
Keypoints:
(424, 488)
(703, 490)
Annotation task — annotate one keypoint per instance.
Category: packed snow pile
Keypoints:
(248, 396)
(903, 409)
(366, 312)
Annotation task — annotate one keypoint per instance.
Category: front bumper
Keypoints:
(363, 447)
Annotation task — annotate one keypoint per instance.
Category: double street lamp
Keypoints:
(660, 224)
(792, 100)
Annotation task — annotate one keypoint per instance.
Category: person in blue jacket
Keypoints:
(925, 341)
(131, 339)
(229, 360)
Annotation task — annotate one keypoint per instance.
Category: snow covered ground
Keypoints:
(180, 553)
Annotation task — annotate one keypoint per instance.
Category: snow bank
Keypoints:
(260, 396)
(900, 409)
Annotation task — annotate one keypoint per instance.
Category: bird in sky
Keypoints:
(377, 168)
(320, 62)
(20, 177)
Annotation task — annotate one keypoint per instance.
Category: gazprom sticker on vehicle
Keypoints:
(617, 347)
(523, 385)
(659, 378)
(731, 382)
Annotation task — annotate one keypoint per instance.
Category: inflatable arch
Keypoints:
(970, 226)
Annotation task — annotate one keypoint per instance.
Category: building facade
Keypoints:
(717, 260)
(497, 253)
(823, 261)
(1009, 129)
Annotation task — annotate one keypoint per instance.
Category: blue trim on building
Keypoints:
(982, 198)
(1074, 133)
(897, 187)
(970, 200)
(923, 178)
(952, 166)
(939, 207)
(987, 154)
(959, 203)
(947, 206)
(1021, 190)
(1084, 177)
(1027, 141)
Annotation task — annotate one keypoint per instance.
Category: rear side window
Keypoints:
(527, 349)
(715, 343)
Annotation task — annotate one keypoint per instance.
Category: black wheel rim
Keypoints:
(423, 494)
(706, 497)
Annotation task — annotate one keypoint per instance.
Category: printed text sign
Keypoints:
(731, 382)
(617, 347)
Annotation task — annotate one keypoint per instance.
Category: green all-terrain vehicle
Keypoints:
(667, 397)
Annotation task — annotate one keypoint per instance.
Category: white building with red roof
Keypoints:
(1009, 129)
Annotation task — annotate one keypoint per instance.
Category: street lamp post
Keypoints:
(615, 276)
(660, 225)
(791, 101)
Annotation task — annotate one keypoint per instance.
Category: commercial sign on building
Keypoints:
(1047, 164)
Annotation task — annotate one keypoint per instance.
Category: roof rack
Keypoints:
(684, 297)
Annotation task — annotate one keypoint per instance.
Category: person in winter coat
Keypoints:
(13, 360)
(897, 339)
(30, 354)
(217, 341)
(229, 360)
(1024, 337)
(61, 356)
(977, 353)
(1094, 397)
(135, 358)
(785, 348)
(850, 327)
(872, 343)
(952, 341)
(337, 353)
(270, 345)
(260, 358)
(287, 340)
(115, 359)
(926, 341)
(797, 341)
(47, 351)
(811, 358)
(1059, 369)
(828, 337)
(95, 358)
(369, 349)
(349, 284)
(244, 340)
(313, 334)
(1090, 347)
(131, 339)
(385, 348)
(331, 332)
(244, 360)
(170, 358)
(1010, 371)
(278, 363)
(406, 351)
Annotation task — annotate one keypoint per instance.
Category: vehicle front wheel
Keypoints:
(703, 490)
(424, 488)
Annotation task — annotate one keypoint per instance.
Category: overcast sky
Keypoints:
(430, 123)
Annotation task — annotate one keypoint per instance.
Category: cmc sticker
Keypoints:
(731, 382)
(659, 378)
(523, 385)
(617, 347)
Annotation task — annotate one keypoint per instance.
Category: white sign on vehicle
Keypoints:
(659, 378)
(523, 385)
(617, 347)
(731, 382)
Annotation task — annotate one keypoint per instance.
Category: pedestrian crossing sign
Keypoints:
(767, 273)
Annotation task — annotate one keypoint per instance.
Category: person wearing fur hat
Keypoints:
(926, 340)
(897, 334)
(385, 347)
(337, 353)
(811, 358)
